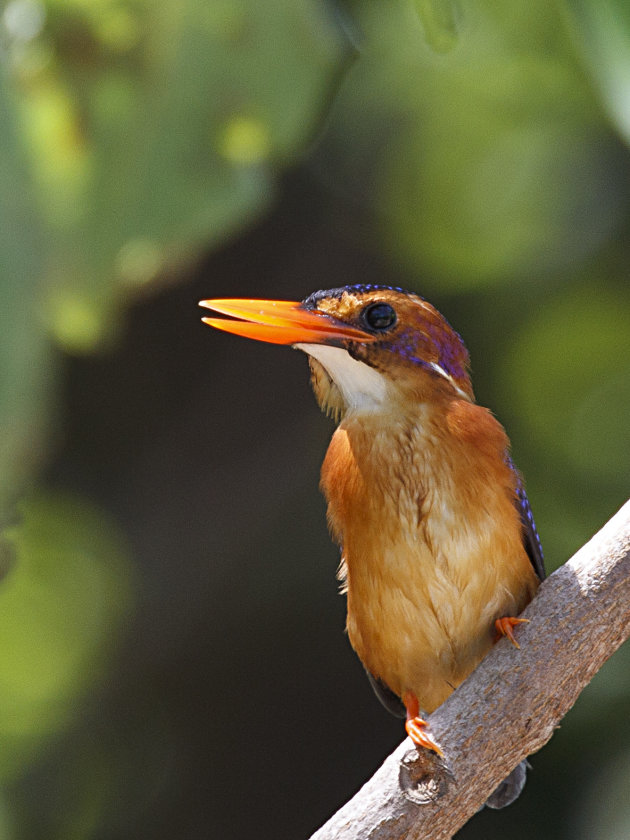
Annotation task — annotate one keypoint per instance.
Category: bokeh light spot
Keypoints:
(139, 261)
(245, 141)
(76, 322)
(24, 19)
(119, 29)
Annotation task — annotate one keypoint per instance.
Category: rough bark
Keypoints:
(508, 708)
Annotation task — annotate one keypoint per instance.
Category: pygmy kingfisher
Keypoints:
(439, 547)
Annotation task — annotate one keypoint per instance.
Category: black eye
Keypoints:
(379, 316)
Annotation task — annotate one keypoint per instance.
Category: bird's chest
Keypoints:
(432, 550)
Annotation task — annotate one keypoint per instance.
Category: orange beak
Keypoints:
(280, 322)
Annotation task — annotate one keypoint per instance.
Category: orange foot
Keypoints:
(504, 627)
(416, 726)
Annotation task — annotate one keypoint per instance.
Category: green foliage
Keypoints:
(441, 20)
(478, 151)
(25, 365)
(602, 31)
(62, 599)
(577, 375)
(496, 160)
(153, 132)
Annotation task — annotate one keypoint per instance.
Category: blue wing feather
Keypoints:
(531, 540)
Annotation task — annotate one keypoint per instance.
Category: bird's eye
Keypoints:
(379, 316)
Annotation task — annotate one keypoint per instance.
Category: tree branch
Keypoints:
(508, 708)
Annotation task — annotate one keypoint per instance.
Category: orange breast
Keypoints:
(423, 507)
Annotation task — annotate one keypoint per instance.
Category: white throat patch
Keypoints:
(362, 387)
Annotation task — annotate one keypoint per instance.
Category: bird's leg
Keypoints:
(504, 627)
(416, 726)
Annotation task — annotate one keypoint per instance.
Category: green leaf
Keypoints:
(61, 606)
(26, 367)
(602, 29)
(488, 163)
(564, 378)
(156, 130)
(441, 23)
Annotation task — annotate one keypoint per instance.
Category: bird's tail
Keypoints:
(510, 788)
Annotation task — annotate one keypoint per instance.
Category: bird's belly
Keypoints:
(425, 629)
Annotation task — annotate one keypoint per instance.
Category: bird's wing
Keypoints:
(531, 540)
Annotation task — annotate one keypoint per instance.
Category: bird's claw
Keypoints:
(504, 627)
(416, 729)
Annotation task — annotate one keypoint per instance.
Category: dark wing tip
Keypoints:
(391, 701)
(531, 540)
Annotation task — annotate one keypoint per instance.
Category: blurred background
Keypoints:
(172, 654)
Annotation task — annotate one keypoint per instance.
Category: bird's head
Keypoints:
(367, 345)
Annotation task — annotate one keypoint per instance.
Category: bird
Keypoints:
(439, 549)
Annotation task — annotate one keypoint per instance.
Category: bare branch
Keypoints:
(508, 708)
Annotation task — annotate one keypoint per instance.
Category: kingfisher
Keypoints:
(439, 550)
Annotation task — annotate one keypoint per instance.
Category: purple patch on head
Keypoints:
(409, 347)
(450, 352)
